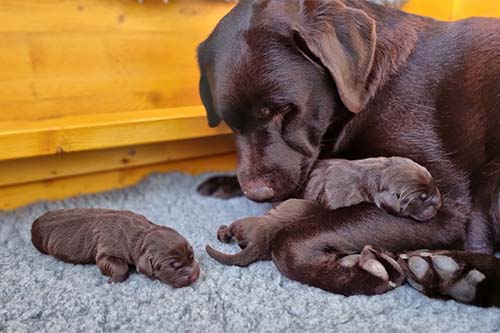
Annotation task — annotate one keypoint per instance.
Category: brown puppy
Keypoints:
(114, 240)
(322, 262)
(307, 80)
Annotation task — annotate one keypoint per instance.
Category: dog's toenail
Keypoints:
(392, 284)
(445, 266)
(403, 256)
(418, 266)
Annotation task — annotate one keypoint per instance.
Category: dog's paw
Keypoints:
(409, 190)
(447, 275)
(372, 272)
(223, 187)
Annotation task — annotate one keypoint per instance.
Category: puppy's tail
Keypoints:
(245, 257)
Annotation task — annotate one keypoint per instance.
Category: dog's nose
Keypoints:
(260, 193)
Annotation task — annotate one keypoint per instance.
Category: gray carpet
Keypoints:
(40, 294)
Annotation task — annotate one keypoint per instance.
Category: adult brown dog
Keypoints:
(303, 80)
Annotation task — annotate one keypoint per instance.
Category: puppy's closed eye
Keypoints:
(176, 264)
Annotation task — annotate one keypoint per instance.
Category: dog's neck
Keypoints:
(397, 36)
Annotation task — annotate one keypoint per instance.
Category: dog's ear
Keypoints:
(205, 90)
(343, 40)
(206, 98)
(144, 265)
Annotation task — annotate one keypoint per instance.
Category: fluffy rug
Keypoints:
(41, 294)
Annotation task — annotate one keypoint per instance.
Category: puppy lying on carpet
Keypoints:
(114, 240)
(466, 277)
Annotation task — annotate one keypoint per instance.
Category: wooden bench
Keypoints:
(97, 94)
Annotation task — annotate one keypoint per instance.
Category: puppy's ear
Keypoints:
(343, 40)
(145, 266)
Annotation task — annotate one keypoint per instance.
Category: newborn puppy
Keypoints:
(114, 240)
(395, 184)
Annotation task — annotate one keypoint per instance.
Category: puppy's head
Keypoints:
(280, 73)
(167, 256)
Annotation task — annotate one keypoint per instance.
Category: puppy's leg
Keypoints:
(223, 187)
(115, 268)
(463, 276)
(327, 248)
(254, 235)
(369, 273)
(397, 185)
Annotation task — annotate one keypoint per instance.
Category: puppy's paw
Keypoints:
(451, 275)
(409, 190)
(222, 187)
(372, 272)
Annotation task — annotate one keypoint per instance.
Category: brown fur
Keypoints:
(114, 240)
(398, 185)
(288, 85)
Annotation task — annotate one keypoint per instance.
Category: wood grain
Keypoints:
(79, 133)
(18, 195)
(450, 10)
(67, 57)
(22, 171)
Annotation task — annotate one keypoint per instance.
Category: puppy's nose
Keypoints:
(195, 274)
(260, 193)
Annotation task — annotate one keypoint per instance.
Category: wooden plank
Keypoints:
(467, 8)
(438, 9)
(64, 58)
(109, 15)
(21, 171)
(81, 133)
(18, 195)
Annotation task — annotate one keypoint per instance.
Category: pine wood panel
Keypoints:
(454, 9)
(468, 8)
(72, 57)
(71, 134)
(22, 171)
(438, 9)
(18, 195)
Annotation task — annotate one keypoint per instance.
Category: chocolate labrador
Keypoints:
(304, 81)
(114, 240)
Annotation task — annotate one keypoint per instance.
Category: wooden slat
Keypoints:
(454, 9)
(15, 196)
(438, 9)
(81, 133)
(467, 8)
(63, 58)
(50, 167)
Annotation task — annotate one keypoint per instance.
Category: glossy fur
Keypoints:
(114, 240)
(308, 80)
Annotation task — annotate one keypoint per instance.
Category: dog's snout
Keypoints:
(259, 192)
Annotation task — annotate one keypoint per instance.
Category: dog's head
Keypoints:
(278, 73)
(167, 256)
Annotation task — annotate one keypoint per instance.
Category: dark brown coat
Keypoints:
(114, 240)
(302, 81)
